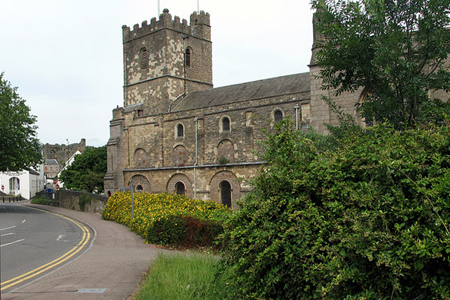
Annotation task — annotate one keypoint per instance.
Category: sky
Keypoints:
(65, 56)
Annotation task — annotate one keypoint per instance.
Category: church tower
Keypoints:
(165, 60)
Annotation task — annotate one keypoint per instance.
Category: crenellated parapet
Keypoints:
(199, 26)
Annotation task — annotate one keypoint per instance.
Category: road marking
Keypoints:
(6, 234)
(15, 242)
(33, 273)
(60, 238)
(7, 228)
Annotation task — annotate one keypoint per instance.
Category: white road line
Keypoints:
(6, 234)
(1, 229)
(18, 241)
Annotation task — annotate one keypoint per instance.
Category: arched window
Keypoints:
(188, 57)
(140, 157)
(139, 188)
(225, 152)
(180, 156)
(225, 193)
(277, 115)
(180, 189)
(180, 130)
(143, 56)
(14, 184)
(226, 124)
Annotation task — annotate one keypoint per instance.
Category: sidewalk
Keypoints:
(111, 269)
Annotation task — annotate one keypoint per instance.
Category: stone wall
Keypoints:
(71, 200)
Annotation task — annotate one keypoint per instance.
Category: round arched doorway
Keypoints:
(225, 193)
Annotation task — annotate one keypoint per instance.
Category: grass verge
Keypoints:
(183, 276)
(41, 201)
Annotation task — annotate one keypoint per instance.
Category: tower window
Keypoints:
(278, 116)
(226, 124)
(180, 130)
(143, 55)
(188, 57)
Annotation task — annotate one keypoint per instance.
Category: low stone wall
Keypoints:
(81, 201)
(74, 200)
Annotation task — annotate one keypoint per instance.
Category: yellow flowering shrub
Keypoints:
(149, 208)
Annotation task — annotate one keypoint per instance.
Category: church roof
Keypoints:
(266, 88)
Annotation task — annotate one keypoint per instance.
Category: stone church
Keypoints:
(176, 133)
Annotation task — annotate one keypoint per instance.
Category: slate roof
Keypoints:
(266, 88)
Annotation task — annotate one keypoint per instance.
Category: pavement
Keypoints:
(111, 268)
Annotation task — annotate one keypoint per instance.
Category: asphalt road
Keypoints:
(35, 242)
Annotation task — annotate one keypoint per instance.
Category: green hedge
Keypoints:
(184, 231)
(168, 219)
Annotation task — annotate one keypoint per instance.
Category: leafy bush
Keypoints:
(164, 210)
(184, 231)
(368, 219)
(84, 199)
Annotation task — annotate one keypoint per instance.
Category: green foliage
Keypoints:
(368, 219)
(87, 171)
(155, 216)
(397, 50)
(83, 200)
(19, 146)
(184, 231)
(183, 276)
(223, 160)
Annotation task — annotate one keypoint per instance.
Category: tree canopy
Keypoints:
(396, 49)
(19, 145)
(87, 171)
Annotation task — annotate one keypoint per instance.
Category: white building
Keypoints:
(24, 183)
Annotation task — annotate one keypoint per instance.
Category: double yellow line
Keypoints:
(33, 273)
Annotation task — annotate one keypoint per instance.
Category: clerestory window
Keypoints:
(225, 124)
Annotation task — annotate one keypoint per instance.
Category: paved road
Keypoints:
(110, 269)
(35, 242)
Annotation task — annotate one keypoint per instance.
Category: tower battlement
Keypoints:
(165, 21)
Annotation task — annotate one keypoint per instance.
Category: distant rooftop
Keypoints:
(51, 161)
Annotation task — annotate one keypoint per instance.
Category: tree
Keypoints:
(19, 146)
(87, 171)
(367, 218)
(396, 49)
